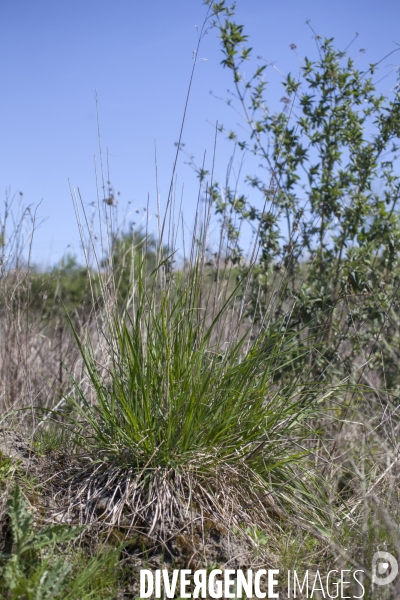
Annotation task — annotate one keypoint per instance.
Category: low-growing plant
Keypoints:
(6, 466)
(32, 569)
(51, 437)
(24, 572)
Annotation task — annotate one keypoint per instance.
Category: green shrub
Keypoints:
(326, 175)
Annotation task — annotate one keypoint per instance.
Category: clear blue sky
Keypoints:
(137, 56)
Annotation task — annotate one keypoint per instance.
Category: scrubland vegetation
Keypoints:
(234, 407)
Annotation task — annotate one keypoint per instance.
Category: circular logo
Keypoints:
(384, 568)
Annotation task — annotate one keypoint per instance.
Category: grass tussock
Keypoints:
(186, 418)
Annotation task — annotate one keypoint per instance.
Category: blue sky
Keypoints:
(137, 57)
